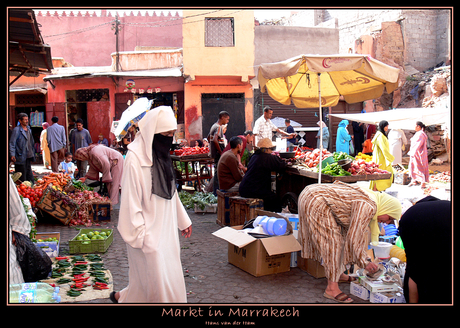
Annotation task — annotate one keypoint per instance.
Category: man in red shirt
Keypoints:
(228, 171)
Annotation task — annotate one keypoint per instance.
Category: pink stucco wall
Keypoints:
(92, 39)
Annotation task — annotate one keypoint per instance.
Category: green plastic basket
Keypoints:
(90, 246)
(326, 161)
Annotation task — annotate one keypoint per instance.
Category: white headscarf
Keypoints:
(158, 119)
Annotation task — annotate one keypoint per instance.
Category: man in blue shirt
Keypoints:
(56, 142)
(22, 148)
(290, 129)
(81, 138)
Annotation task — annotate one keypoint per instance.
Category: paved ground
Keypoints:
(209, 278)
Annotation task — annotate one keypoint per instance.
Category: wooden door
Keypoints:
(98, 114)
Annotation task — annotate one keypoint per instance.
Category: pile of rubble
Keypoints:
(426, 89)
(431, 89)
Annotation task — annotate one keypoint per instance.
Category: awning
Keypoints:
(402, 118)
(27, 53)
(161, 72)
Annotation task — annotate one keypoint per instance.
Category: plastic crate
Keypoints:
(90, 246)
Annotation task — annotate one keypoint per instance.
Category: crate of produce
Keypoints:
(57, 204)
(49, 242)
(101, 211)
(84, 242)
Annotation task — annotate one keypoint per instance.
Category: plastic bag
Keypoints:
(34, 262)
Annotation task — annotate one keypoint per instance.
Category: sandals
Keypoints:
(341, 298)
(350, 279)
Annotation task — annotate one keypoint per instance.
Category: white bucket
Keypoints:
(382, 250)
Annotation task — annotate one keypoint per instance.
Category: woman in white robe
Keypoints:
(397, 139)
(149, 223)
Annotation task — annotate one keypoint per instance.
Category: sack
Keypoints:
(34, 262)
(351, 148)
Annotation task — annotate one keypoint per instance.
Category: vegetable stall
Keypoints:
(304, 170)
(66, 199)
(192, 165)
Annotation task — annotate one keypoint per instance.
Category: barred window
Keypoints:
(219, 32)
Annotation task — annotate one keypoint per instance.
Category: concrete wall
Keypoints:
(276, 43)
(150, 59)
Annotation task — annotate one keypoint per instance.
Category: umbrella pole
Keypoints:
(320, 130)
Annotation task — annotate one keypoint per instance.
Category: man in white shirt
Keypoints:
(263, 127)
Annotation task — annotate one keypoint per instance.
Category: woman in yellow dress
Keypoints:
(381, 155)
(44, 147)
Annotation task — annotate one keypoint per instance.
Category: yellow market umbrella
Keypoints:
(311, 81)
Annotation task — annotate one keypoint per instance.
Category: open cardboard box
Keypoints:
(259, 256)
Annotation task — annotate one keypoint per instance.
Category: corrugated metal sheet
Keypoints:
(307, 117)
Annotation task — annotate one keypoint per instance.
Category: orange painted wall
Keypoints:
(193, 91)
(216, 69)
(58, 94)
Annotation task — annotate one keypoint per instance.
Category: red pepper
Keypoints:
(100, 284)
(80, 279)
(77, 276)
(80, 262)
(61, 258)
(100, 287)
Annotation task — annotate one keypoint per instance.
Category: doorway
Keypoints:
(233, 103)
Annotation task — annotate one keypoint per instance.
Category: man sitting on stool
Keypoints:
(228, 171)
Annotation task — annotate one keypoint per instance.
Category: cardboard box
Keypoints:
(359, 291)
(378, 285)
(388, 297)
(312, 267)
(258, 256)
(51, 248)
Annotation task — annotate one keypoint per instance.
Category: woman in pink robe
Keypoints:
(106, 160)
(418, 164)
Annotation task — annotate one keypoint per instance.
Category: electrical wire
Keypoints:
(163, 23)
(82, 30)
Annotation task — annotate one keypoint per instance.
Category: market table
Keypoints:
(291, 183)
(201, 168)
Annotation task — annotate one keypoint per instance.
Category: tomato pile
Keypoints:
(34, 195)
(311, 159)
(441, 177)
(185, 151)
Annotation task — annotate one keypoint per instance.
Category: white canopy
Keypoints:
(402, 118)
